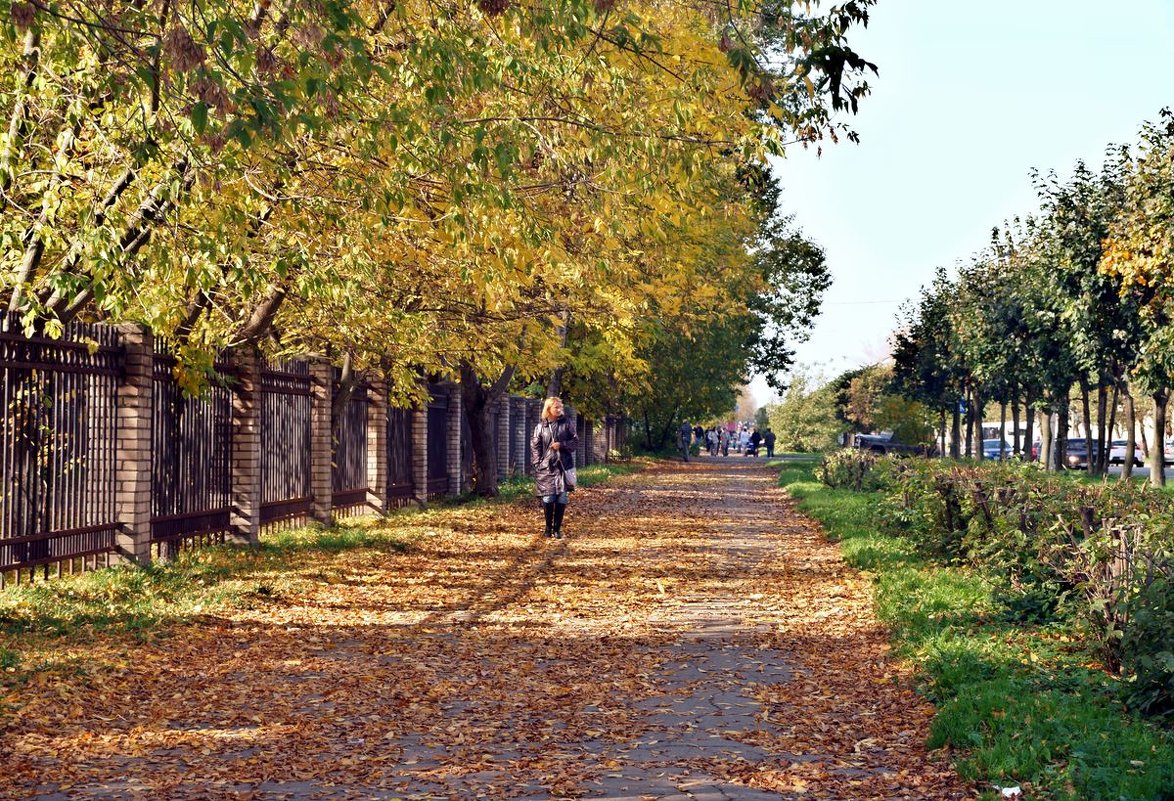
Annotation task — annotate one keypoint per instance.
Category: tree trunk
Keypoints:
(942, 432)
(1062, 423)
(1086, 410)
(555, 383)
(1108, 427)
(1029, 429)
(1045, 444)
(972, 402)
(1130, 437)
(1158, 451)
(477, 399)
(18, 122)
(1002, 430)
(955, 433)
(340, 399)
(1145, 447)
(1016, 439)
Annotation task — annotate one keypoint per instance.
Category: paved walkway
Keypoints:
(692, 639)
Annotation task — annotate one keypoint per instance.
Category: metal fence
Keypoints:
(191, 481)
(63, 426)
(349, 465)
(58, 440)
(401, 480)
(438, 445)
(515, 462)
(286, 411)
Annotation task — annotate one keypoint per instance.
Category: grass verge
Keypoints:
(1018, 705)
(142, 602)
(128, 599)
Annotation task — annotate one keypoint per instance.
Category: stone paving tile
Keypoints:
(712, 665)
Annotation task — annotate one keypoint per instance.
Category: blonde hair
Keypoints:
(551, 401)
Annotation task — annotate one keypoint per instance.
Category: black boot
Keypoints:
(548, 509)
(559, 510)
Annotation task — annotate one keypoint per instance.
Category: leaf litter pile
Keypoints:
(692, 637)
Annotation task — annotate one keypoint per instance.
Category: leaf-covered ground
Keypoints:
(692, 638)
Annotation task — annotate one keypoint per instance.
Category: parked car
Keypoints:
(1117, 453)
(997, 449)
(1077, 453)
(884, 443)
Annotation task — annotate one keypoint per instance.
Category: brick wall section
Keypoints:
(454, 440)
(133, 498)
(420, 453)
(502, 438)
(320, 440)
(377, 445)
(518, 432)
(572, 415)
(577, 421)
(245, 455)
(534, 410)
(589, 431)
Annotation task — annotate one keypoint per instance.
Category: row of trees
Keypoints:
(570, 192)
(1075, 301)
(815, 413)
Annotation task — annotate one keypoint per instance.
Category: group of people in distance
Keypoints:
(720, 440)
(554, 441)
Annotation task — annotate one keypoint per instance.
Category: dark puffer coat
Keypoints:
(546, 470)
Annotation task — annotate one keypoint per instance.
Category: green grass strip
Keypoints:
(139, 600)
(1018, 704)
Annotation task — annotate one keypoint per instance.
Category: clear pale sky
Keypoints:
(970, 97)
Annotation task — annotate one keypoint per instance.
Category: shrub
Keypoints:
(851, 469)
(1147, 648)
(1051, 547)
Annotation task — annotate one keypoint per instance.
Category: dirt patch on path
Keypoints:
(693, 638)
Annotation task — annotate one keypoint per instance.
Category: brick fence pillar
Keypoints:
(321, 445)
(134, 449)
(517, 435)
(377, 445)
(455, 415)
(584, 442)
(572, 417)
(420, 453)
(577, 421)
(533, 413)
(503, 438)
(245, 457)
(589, 442)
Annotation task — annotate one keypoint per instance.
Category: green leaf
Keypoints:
(200, 116)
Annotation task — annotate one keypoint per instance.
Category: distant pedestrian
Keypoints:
(755, 441)
(769, 440)
(726, 435)
(683, 439)
(552, 452)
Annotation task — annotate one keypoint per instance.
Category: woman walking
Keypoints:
(552, 451)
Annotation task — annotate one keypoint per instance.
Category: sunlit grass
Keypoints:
(1018, 704)
(128, 599)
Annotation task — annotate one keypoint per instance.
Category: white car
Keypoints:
(1117, 453)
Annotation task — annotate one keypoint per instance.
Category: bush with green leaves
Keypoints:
(1102, 554)
(853, 469)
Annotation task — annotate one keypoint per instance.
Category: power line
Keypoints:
(860, 302)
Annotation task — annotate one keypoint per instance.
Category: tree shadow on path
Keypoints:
(693, 638)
